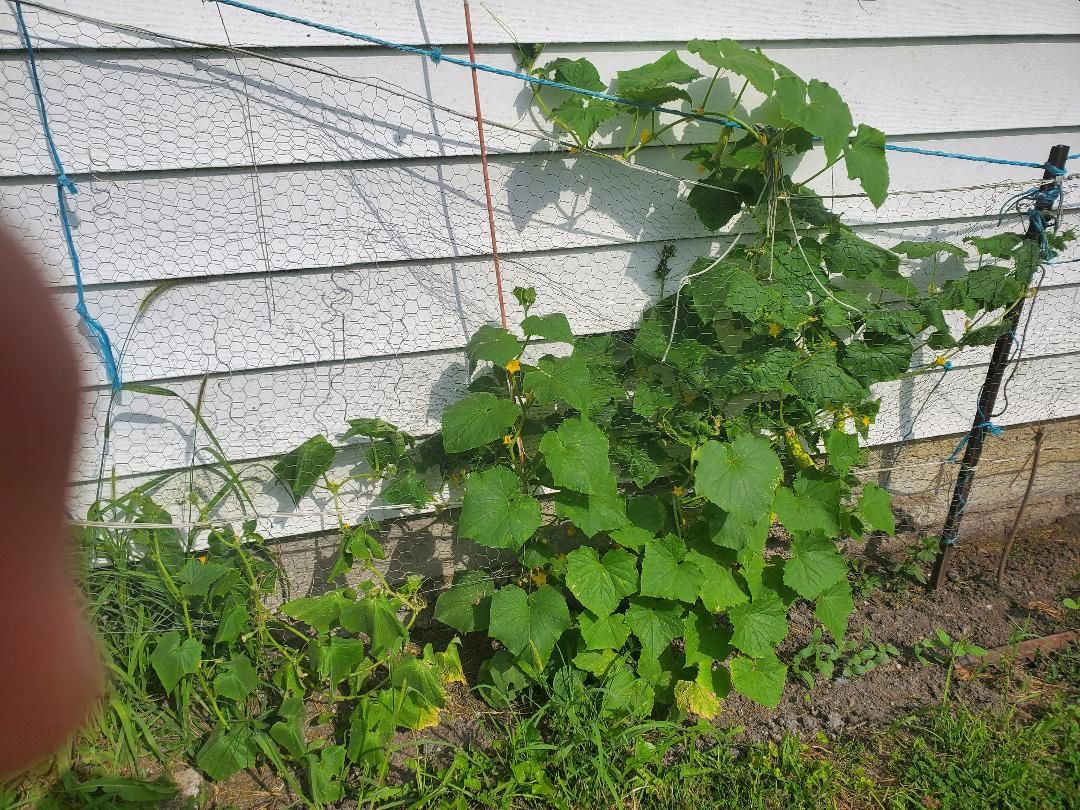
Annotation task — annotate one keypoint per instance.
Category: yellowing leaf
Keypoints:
(697, 699)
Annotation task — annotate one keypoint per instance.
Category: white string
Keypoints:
(798, 243)
(686, 280)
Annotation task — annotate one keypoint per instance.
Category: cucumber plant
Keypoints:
(701, 473)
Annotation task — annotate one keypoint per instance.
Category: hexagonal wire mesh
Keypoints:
(291, 241)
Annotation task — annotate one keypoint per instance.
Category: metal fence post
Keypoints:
(987, 399)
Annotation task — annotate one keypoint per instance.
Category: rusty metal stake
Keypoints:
(1040, 433)
(1019, 652)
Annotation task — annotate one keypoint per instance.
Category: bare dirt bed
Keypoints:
(1042, 570)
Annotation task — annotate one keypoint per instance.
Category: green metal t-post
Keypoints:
(987, 399)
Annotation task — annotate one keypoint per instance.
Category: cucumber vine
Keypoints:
(700, 475)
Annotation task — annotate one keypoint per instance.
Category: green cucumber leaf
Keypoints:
(834, 606)
(550, 327)
(575, 72)
(842, 450)
(706, 641)
(478, 419)
(600, 583)
(815, 565)
(666, 574)
(652, 82)
(407, 487)
(875, 508)
(495, 512)
(321, 612)
(236, 678)
(529, 624)
(727, 54)
(583, 116)
(603, 632)
(825, 115)
(866, 162)
(494, 344)
(811, 504)
(377, 618)
(175, 657)
(560, 379)
(759, 625)
(761, 680)
(592, 514)
(720, 589)
(299, 469)
(655, 623)
(740, 476)
(577, 456)
(466, 605)
(226, 753)
(635, 463)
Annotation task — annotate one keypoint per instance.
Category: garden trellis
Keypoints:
(333, 260)
(641, 344)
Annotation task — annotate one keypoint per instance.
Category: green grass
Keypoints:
(954, 757)
(946, 757)
(561, 757)
(559, 753)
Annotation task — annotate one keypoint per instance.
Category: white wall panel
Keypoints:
(232, 324)
(142, 112)
(919, 407)
(442, 21)
(146, 228)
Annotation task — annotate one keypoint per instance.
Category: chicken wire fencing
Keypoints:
(279, 244)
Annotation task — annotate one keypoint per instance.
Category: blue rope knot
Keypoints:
(66, 183)
(435, 54)
(1041, 200)
(988, 426)
(948, 365)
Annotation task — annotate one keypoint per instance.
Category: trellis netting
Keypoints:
(277, 243)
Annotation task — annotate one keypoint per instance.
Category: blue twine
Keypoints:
(436, 55)
(65, 186)
(960, 507)
(990, 427)
(915, 150)
(1041, 200)
(948, 365)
